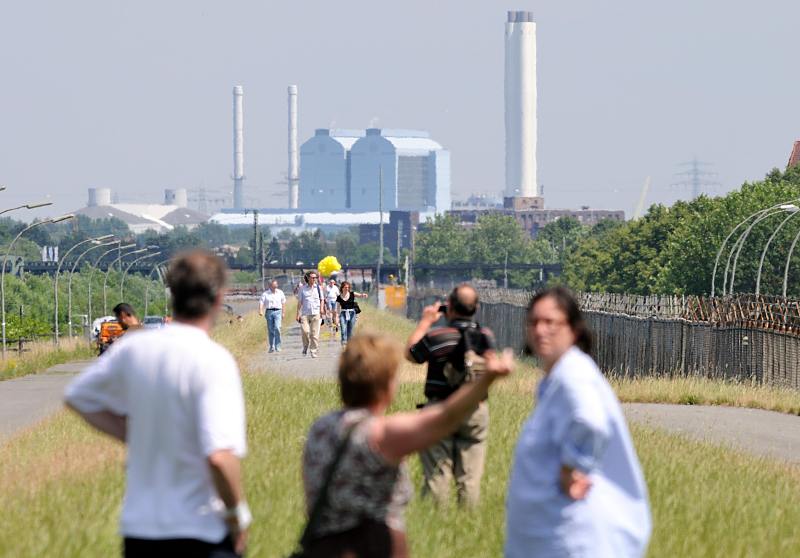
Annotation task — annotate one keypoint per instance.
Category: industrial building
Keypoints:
(398, 233)
(142, 217)
(531, 220)
(348, 170)
(325, 170)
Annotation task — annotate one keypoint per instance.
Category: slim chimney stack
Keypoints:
(294, 166)
(238, 149)
(520, 101)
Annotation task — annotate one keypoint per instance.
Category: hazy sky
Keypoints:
(136, 96)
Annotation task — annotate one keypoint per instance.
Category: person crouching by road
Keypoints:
(126, 316)
(576, 487)
(175, 397)
(310, 312)
(272, 307)
(355, 481)
(461, 455)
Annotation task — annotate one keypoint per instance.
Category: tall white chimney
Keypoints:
(520, 97)
(294, 165)
(238, 149)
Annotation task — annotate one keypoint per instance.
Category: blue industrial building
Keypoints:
(340, 170)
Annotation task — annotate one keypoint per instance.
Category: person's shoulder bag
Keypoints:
(322, 498)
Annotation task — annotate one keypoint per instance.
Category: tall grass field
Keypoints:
(61, 484)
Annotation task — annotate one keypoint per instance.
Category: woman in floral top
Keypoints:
(370, 488)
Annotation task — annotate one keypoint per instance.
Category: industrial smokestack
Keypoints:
(520, 99)
(294, 166)
(238, 149)
(99, 197)
(176, 196)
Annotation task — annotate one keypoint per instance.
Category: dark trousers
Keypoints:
(179, 548)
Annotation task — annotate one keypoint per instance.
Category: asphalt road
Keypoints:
(26, 401)
(763, 433)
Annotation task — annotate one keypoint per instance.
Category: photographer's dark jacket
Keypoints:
(445, 344)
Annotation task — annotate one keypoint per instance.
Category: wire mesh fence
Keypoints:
(743, 338)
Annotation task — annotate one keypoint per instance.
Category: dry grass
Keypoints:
(41, 355)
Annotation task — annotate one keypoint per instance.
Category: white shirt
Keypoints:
(310, 299)
(577, 422)
(182, 395)
(271, 299)
(332, 293)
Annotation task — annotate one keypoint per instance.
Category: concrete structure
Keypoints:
(325, 170)
(294, 167)
(520, 105)
(99, 196)
(339, 171)
(402, 223)
(297, 222)
(176, 196)
(414, 171)
(142, 217)
(794, 157)
(534, 219)
(238, 148)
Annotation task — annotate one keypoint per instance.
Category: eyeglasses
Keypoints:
(312, 276)
(547, 323)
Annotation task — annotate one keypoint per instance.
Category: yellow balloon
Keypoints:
(328, 265)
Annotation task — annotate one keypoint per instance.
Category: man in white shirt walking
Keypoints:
(175, 397)
(310, 312)
(271, 306)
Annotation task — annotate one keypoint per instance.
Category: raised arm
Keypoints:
(398, 435)
(430, 314)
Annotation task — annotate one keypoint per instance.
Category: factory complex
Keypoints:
(345, 177)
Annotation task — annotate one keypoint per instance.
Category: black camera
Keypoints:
(443, 308)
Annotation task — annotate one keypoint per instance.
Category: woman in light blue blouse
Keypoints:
(576, 486)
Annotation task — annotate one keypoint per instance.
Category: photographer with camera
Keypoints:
(311, 312)
(455, 355)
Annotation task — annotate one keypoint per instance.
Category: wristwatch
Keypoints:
(242, 514)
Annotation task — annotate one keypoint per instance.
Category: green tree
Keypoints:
(441, 240)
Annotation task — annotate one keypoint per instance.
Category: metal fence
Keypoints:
(744, 338)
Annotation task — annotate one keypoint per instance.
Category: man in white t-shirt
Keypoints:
(330, 296)
(174, 397)
(272, 307)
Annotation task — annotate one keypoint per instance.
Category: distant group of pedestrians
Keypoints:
(175, 398)
(316, 303)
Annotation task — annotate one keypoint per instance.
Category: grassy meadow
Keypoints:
(41, 355)
(61, 484)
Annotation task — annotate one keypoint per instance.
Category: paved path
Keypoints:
(763, 433)
(291, 362)
(27, 400)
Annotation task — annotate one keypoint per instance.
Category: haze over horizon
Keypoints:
(137, 98)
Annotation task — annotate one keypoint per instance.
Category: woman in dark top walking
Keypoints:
(346, 310)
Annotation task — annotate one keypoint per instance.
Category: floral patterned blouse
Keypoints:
(364, 485)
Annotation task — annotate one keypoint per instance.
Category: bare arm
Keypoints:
(430, 314)
(399, 435)
(226, 473)
(106, 422)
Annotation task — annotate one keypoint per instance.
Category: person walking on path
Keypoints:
(346, 310)
(272, 306)
(358, 511)
(576, 486)
(461, 455)
(175, 398)
(310, 312)
(331, 292)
